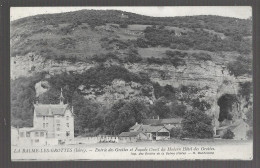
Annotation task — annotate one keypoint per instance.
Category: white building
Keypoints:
(53, 124)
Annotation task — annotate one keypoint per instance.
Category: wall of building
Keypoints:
(45, 123)
(63, 125)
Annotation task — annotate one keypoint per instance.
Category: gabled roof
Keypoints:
(129, 134)
(50, 109)
(162, 121)
(136, 126)
(150, 128)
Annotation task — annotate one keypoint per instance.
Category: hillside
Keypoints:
(113, 62)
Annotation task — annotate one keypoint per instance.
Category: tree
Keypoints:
(177, 110)
(176, 133)
(123, 115)
(201, 105)
(85, 112)
(228, 134)
(159, 108)
(197, 124)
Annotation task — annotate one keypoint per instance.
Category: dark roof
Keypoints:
(162, 121)
(50, 109)
(129, 134)
(150, 128)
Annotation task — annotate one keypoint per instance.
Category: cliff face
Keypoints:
(213, 80)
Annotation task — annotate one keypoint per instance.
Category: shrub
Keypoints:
(141, 43)
(123, 25)
(202, 56)
(133, 56)
(241, 66)
(182, 46)
(228, 134)
(176, 133)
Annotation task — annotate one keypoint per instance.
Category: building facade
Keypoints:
(53, 124)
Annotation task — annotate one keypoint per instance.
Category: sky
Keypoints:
(242, 12)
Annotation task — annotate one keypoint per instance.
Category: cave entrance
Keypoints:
(225, 103)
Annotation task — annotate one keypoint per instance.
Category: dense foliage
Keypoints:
(241, 66)
(97, 77)
(123, 115)
(197, 124)
(22, 100)
(198, 39)
(228, 134)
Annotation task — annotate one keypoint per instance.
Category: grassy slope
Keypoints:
(44, 34)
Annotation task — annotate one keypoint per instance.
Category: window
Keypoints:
(43, 125)
(68, 125)
(27, 134)
(36, 134)
(36, 140)
(57, 121)
(67, 133)
(46, 125)
(58, 127)
(67, 117)
(43, 117)
(41, 134)
(21, 134)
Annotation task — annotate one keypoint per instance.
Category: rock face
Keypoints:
(213, 79)
(119, 89)
(31, 64)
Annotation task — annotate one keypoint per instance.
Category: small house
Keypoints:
(131, 136)
(176, 122)
(156, 132)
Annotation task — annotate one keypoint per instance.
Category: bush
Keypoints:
(228, 134)
(123, 25)
(176, 133)
(182, 46)
(133, 56)
(142, 43)
(202, 56)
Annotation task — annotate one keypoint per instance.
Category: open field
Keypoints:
(159, 150)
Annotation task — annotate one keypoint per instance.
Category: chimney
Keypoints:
(37, 102)
(153, 117)
(158, 117)
(136, 123)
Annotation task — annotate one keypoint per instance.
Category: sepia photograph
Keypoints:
(131, 83)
